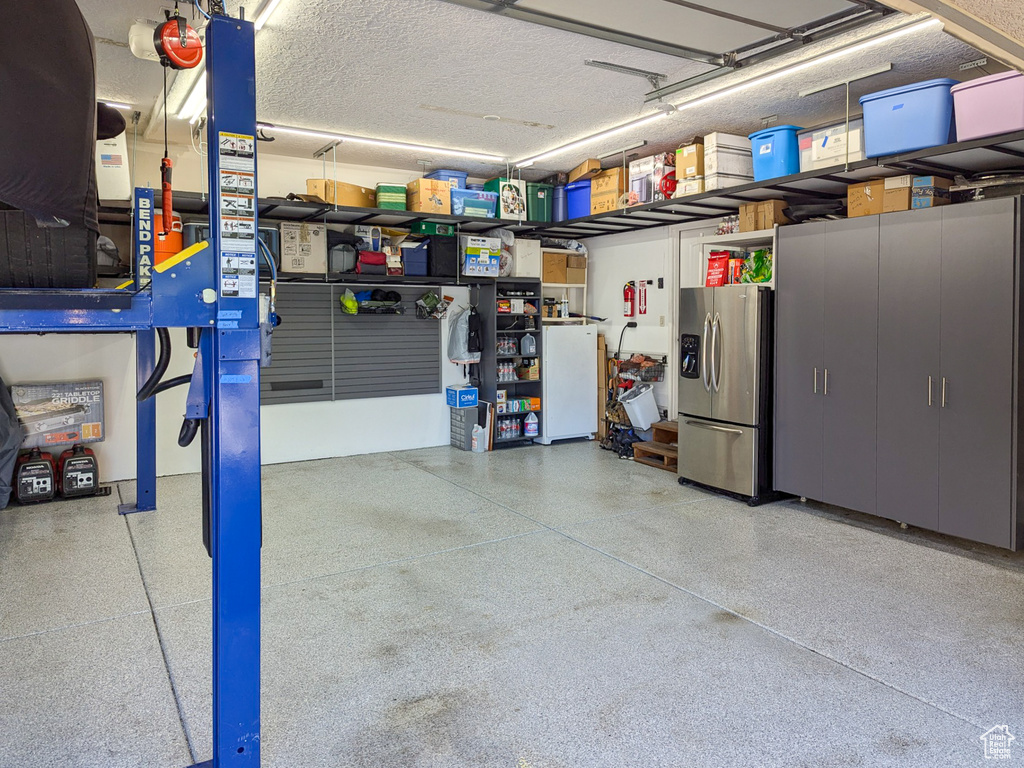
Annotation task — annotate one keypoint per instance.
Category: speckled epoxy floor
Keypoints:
(550, 607)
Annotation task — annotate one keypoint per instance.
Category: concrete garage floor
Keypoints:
(531, 608)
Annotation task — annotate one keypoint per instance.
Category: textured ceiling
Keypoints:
(426, 71)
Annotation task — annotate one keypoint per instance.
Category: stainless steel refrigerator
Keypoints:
(725, 389)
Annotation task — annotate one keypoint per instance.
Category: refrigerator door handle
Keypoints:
(704, 353)
(714, 350)
(714, 428)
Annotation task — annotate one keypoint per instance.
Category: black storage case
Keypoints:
(442, 256)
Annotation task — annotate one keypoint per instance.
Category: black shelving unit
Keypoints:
(496, 324)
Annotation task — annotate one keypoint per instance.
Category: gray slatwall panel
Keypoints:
(352, 356)
(386, 355)
(302, 347)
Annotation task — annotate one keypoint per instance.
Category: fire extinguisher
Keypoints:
(629, 300)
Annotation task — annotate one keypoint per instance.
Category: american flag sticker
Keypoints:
(111, 161)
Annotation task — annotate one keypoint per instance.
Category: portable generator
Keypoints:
(78, 473)
(34, 477)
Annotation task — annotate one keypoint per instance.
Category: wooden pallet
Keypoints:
(654, 454)
(662, 450)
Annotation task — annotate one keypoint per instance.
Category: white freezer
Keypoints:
(568, 375)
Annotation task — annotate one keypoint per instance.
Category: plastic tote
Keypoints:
(558, 210)
(640, 406)
(989, 106)
(539, 198)
(776, 152)
(909, 118)
(577, 195)
(456, 178)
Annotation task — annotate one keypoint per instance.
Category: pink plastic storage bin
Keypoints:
(989, 106)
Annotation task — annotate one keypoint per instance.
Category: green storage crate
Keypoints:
(538, 201)
(391, 196)
(431, 228)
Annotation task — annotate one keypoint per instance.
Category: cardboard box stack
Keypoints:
(575, 269)
(929, 191)
(728, 161)
(690, 169)
(896, 193)
(554, 267)
(606, 189)
(764, 214)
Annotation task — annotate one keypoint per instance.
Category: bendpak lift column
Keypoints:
(216, 289)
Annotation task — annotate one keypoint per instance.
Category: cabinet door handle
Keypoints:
(826, 381)
(815, 381)
(943, 391)
(929, 391)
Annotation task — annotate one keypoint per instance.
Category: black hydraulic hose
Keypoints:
(187, 434)
(162, 361)
(177, 381)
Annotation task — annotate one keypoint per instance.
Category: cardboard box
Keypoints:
(340, 193)
(554, 268)
(529, 372)
(929, 191)
(575, 276)
(481, 256)
(865, 199)
(585, 170)
(303, 248)
(59, 413)
(722, 180)
(690, 161)
(549, 310)
(689, 187)
(764, 214)
(575, 261)
(896, 193)
(726, 153)
(606, 189)
(462, 397)
(429, 195)
(526, 258)
(645, 176)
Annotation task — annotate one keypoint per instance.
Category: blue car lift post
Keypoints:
(208, 288)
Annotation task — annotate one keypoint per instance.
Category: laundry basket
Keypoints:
(640, 406)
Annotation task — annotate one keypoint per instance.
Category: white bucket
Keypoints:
(640, 406)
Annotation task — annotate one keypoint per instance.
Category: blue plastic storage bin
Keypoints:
(776, 152)
(577, 196)
(908, 118)
(558, 209)
(470, 202)
(475, 187)
(457, 178)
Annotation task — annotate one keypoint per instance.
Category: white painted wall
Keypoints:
(614, 260)
(290, 432)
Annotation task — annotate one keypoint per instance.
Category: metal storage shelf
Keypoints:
(966, 157)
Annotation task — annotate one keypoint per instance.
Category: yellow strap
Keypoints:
(179, 257)
(124, 285)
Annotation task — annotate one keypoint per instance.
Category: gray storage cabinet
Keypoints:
(939, 343)
(826, 318)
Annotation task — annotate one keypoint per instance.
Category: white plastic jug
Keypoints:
(530, 428)
(479, 439)
(528, 345)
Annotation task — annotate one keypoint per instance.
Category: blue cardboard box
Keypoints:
(463, 397)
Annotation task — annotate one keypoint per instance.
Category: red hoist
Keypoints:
(179, 47)
(629, 300)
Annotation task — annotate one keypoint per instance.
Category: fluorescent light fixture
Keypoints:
(196, 99)
(593, 137)
(810, 63)
(116, 104)
(382, 143)
(268, 10)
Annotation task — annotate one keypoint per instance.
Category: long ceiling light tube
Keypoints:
(195, 102)
(810, 63)
(728, 91)
(381, 142)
